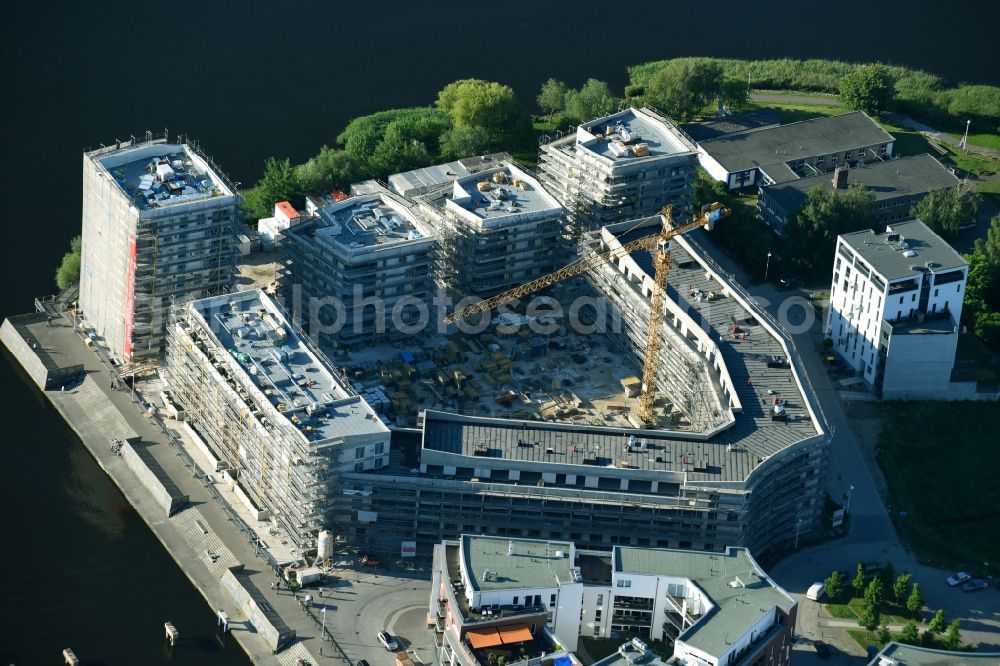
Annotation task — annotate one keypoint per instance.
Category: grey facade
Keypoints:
(897, 185)
(159, 223)
(368, 259)
(601, 177)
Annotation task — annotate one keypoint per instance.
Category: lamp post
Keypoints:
(798, 523)
(847, 509)
(965, 139)
(767, 266)
(323, 633)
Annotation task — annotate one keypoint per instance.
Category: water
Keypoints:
(256, 78)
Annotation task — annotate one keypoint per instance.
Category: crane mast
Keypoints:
(657, 243)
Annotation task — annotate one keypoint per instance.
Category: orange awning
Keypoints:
(481, 638)
(516, 634)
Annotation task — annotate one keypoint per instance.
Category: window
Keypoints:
(380, 448)
(359, 453)
(597, 631)
(624, 583)
(516, 599)
(600, 599)
(913, 297)
(676, 589)
(901, 299)
(936, 293)
(958, 287)
(597, 615)
(359, 467)
(380, 462)
(552, 599)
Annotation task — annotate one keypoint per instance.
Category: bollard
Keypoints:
(172, 633)
(223, 621)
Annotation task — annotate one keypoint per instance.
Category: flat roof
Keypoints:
(418, 181)
(807, 138)
(904, 249)
(628, 128)
(730, 455)
(738, 605)
(906, 176)
(634, 657)
(534, 563)
(501, 196)
(713, 128)
(160, 174)
(913, 655)
(364, 221)
(285, 367)
(287, 209)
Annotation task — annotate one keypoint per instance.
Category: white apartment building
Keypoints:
(895, 303)
(711, 608)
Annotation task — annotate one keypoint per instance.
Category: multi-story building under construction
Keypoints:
(269, 405)
(497, 228)
(737, 456)
(624, 166)
(159, 223)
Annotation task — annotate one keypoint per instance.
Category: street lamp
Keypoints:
(323, 634)
(767, 266)
(847, 509)
(798, 523)
(963, 144)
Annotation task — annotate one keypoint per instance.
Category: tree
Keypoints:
(735, 94)
(884, 635)
(394, 140)
(330, 170)
(946, 210)
(812, 231)
(68, 272)
(834, 586)
(683, 87)
(478, 103)
(869, 88)
(915, 601)
(869, 617)
(938, 623)
(593, 100)
(859, 580)
(987, 328)
(279, 183)
(990, 247)
(888, 576)
(952, 638)
(461, 142)
(875, 593)
(552, 97)
(910, 634)
(901, 588)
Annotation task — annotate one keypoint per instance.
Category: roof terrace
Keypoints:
(285, 368)
(632, 134)
(500, 197)
(366, 221)
(156, 175)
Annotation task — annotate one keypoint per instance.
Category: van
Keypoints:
(815, 592)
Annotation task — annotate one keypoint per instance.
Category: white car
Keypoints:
(387, 641)
(958, 578)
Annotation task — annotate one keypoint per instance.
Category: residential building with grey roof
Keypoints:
(896, 184)
(769, 155)
(705, 607)
(899, 654)
(895, 303)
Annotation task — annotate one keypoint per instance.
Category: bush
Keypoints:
(68, 272)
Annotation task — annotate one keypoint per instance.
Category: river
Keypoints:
(257, 78)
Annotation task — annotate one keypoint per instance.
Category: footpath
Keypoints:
(204, 537)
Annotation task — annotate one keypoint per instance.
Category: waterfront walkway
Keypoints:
(99, 414)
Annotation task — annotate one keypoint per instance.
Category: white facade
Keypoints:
(895, 301)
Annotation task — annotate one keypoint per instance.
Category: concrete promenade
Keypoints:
(99, 414)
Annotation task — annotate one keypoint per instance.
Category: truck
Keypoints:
(369, 561)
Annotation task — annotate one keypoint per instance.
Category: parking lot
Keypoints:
(361, 602)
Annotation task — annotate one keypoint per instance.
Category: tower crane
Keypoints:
(660, 241)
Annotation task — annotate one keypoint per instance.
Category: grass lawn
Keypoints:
(599, 648)
(890, 612)
(991, 187)
(790, 113)
(842, 611)
(865, 638)
(940, 462)
(985, 140)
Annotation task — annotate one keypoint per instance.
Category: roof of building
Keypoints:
(904, 249)
(534, 563)
(903, 177)
(614, 137)
(378, 220)
(629, 655)
(713, 128)
(752, 437)
(501, 196)
(807, 138)
(733, 581)
(285, 367)
(287, 209)
(158, 174)
(424, 179)
(911, 655)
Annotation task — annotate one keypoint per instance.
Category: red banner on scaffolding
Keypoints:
(130, 297)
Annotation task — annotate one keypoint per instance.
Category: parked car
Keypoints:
(815, 592)
(974, 585)
(822, 650)
(387, 641)
(362, 663)
(958, 578)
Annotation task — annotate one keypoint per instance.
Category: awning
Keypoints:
(481, 638)
(516, 634)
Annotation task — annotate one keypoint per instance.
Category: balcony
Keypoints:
(937, 323)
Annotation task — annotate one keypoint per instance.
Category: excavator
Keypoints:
(660, 242)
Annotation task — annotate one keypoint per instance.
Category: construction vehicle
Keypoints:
(370, 561)
(659, 241)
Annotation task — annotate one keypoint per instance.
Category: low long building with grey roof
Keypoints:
(897, 186)
(788, 152)
(900, 654)
(705, 607)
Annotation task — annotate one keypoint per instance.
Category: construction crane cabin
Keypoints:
(660, 242)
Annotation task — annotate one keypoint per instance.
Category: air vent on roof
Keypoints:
(932, 264)
(909, 254)
(892, 238)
